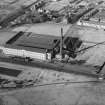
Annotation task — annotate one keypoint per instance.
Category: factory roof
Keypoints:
(5, 36)
(37, 37)
(32, 42)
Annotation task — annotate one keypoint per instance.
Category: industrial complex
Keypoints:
(33, 45)
(54, 31)
(43, 42)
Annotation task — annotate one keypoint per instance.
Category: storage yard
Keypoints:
(52, 52)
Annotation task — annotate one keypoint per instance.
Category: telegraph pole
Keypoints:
(61, 44)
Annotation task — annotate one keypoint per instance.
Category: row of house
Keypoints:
(91, 24)
(97, 20)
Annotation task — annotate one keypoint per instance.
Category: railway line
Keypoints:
(8, 89)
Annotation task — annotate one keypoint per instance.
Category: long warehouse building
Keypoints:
(28, 44)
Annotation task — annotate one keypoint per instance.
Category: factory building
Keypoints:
(30, 45)
(36, 42)
(19, 52)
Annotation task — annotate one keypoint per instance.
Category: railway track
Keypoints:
(11, 89)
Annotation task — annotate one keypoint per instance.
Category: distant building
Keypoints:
(92, 24)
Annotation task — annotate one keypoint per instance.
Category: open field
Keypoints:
(70, 94)
(53, 88)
